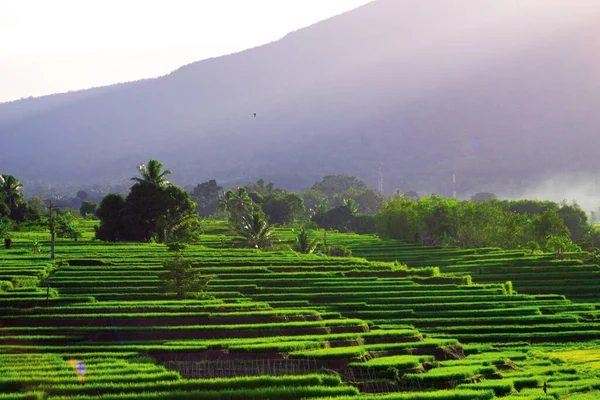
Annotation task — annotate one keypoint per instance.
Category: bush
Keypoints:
(311, 225)
(88, 209)
(533, 246)
(338, 251)
(4, 225)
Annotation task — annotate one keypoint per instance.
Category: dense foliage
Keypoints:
(207, 195)
(246, 220)
(12, 202)
(153, 209)
(179, 277)
(506, 224)
(87, 208)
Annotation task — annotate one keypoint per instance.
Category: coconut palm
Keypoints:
(238, 204)
(152, 174)
(351, 205)
(10, 190)
(256, 231)
(304, 244)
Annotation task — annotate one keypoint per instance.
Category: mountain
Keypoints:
(502, 94)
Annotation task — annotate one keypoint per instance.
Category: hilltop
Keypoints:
(427, 91)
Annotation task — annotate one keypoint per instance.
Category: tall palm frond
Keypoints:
(10, 189)
(304, 244)
(152, 173)
(238, 204)
(256, 231)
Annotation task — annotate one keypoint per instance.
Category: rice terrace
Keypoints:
(235, 308)
(300, 199)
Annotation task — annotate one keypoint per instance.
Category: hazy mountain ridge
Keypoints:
(392, 81)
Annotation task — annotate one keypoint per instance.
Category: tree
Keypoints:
(155, 211)
(313, 199)
(331, 185)
(4, 225)
(533, 246)
(561, 244)
(4, 210)
(351, 205)
(64, 226)
(398, 219)
(152, 174)
(437, 217)
(36, 203)
(575, 220)
(178, 221)
(531, 207)
(82, 195)
(246, 220)
(206, 195)
(10, 190)
(110, 214)
(255, 231)
(368, 201)
(283, 209)
(87, 208)
(296, 206)
(180, 278)
(238, 205)
(304, 244)
(12, 202)
(154, 208)
(548, 224)
(412, 195)
(338, 218)
(484, 196)
(143, 207)
(260, 188)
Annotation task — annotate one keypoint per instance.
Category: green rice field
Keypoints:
(396, 321)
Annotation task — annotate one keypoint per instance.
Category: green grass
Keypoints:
(322, 311)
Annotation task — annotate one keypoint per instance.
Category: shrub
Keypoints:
(88, 209)
(533, 246)
(5, 286)
(4, 225)
(304, 244)
(179, 277)
(339, 251)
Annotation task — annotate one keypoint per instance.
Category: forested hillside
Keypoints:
(427, 88)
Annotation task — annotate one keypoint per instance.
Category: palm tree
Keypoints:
(304, 244)
(351, 205)
(238, 204)
(152, 174)
(256, 231)
(10, 190)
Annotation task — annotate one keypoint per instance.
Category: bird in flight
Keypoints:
(255, 114)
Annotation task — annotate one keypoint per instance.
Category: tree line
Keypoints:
(507, 224)
(155, 209)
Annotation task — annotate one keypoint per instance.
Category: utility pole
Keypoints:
(48, 287)
(380, 177)
(52, 207)
(48, 291)
(454, 185)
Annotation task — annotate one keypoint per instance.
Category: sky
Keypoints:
(61, 45)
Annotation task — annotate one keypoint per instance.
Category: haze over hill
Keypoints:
(503, 94)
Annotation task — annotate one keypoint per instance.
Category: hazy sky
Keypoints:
(60, 45)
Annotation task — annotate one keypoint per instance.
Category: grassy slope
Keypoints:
(247, 281)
